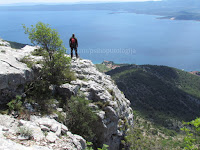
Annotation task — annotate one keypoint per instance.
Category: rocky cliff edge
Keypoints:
(114, 117)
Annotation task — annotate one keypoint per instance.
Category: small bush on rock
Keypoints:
(25, 132)
(102, 105)
(27, 60)
(81, 118)
(55, 63)
(38, 52)
(55, 66)
(15, 104)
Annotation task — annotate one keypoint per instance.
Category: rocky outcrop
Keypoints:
(4, 43)
(13, 74)
(115, 111)
(46, 134)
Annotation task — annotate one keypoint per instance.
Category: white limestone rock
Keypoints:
(13, 74)
(54, 127)
(97, 86)
(37, 133)
(44, 128)
(8, 123)
(64, 129)
(51, 137)
(6, 144)
(4, 43)
(67, 90)
(55, 139)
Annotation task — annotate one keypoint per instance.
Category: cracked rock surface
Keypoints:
(57, 137)
(13, 74)
(114, 114)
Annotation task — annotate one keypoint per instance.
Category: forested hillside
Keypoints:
(164, 95)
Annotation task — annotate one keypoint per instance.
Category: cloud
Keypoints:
(66, 1)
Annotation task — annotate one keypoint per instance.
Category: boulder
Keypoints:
(44, 128)
(77, 140)
(67, 90)
(51, 137)
(9, 124)
(59, 129)
(54, 128)
(64, 129)
(81, 141)
(13, 74)
(37, 132)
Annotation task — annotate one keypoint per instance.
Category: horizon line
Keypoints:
(78, 2)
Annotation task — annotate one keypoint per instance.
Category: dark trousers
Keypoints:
(75, 48)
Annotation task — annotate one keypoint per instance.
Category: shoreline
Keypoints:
(158, 16)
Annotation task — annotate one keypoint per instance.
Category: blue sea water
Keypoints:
(119, 37)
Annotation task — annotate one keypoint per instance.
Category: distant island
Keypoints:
(183, 16)
(170, 9)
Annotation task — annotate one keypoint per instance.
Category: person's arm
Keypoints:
(76, 42)
(70, 42)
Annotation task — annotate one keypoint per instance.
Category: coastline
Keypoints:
(172, 17)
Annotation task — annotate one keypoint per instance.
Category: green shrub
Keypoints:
(192, 138)
(38, 52)
(61, 117)
(81, 118)
(15, 104)
(25, 132)
(40, 96)
(105, 147)
(154, 132)
(27, 60)
(3, 51)
(102, 105)
(55, 66)
(55, 63)
(89, 146)
(57, 71)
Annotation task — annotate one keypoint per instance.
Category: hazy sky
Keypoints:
(64, 1)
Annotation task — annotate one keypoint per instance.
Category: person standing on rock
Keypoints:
(73, 43)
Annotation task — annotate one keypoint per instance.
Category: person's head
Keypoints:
(73, 35)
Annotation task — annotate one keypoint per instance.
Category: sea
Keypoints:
(121, 37)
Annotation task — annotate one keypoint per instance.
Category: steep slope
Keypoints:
(161, 94)
(115, 113)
